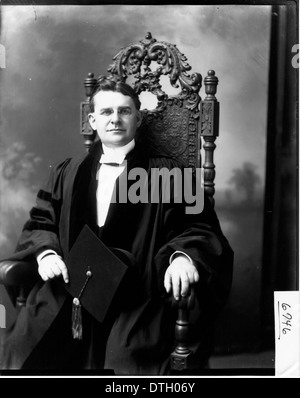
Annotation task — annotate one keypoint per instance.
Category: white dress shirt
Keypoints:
(107, 176)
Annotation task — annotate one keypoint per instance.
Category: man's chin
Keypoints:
(116, 143)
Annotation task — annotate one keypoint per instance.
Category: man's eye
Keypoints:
(125, 111)
(106, 112)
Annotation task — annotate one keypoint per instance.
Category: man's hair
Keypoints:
(105, 84)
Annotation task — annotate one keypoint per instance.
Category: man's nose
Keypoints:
(115, 117)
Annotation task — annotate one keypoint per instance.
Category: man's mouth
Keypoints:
(116, 131)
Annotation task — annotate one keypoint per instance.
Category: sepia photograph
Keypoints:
(149, 191)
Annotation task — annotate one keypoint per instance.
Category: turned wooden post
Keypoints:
(209, 113)
(88, 133)
(181, 357)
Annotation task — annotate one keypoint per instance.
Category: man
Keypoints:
(173, 250)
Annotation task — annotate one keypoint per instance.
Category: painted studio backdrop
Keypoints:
(49, 52)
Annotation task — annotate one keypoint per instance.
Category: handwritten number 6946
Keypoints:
(288, 318)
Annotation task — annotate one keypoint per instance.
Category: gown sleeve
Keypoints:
(200, 237)
(41, 230)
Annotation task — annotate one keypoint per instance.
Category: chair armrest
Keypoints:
(17, 273)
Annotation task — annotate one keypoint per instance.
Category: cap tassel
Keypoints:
(76, 319)
(76, 311)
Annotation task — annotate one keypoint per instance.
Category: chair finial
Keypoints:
(89, 83)
(211, 81)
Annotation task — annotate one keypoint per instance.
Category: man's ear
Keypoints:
(92, 121)
(139, 118)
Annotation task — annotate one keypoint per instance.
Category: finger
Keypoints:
(49, 273)
(176, 287)
(196, 276)
(185, 285)
(64, 271)
(193, 276)
(56, 269)
(167, 282)
(43, 275)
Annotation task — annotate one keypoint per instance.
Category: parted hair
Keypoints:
(106, 84)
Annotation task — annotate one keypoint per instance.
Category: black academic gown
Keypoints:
(138, 336)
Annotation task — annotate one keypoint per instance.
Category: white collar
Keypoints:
(120, 150)
(116, 154)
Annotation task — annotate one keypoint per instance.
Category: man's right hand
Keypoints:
(52, 266)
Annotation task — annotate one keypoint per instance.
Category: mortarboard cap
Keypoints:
(95, 275)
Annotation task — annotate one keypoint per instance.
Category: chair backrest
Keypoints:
(178, 122)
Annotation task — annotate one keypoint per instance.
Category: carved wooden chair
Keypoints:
(176, 127)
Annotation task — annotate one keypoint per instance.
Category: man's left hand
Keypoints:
(180, 274)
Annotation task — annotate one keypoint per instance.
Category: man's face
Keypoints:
(115, 118)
